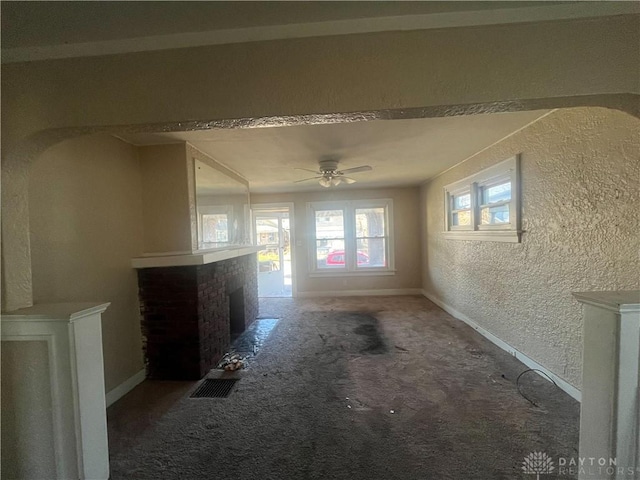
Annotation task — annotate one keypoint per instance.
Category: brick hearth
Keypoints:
(186, 314)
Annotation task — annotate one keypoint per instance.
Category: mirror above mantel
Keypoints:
(222, 204)
(195, 210)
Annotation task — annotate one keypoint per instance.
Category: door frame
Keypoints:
(292, 236)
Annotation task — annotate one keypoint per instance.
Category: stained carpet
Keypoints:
(350, 388)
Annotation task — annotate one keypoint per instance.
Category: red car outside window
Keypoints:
(337, 258)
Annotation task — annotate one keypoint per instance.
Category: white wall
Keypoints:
(27, 425)
(167, 198)
(85, 212)
(580, 215)
(406, 207)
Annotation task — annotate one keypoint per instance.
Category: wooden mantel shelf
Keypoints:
(202, 257)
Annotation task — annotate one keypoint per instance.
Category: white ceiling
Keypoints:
(401, 152)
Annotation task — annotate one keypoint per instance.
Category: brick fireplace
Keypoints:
(189, 314)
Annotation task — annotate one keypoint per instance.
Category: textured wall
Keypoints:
(580, 213)
(406, 238)
(85, 214)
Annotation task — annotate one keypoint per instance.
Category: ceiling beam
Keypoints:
(496, 16)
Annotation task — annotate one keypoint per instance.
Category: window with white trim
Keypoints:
(351, 237)
(485, 206)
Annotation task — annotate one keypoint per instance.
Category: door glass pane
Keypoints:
(370, 222)
(461, 218)
(330, 253)
(495, 215)
(215, 228)
(267, 231)
(286, 252)
(372, 253)
(267, 234)
(273, 232)
(286, 241)
(496, 193)
(460, 202)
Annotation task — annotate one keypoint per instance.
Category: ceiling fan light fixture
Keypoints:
(325, 182)
(330, 176)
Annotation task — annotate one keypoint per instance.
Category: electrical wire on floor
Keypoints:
(520, 391)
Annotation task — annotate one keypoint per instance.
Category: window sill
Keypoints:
(369, 273)
(511, 236)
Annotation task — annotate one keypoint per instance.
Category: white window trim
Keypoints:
(449, 195)
(511, 232)
(349, 208)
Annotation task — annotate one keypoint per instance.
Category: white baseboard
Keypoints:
(361, 293)
(529, 362)
(125, 387)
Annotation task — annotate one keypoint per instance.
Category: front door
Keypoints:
(271, 226)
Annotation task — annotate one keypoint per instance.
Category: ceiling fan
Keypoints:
(329, 175)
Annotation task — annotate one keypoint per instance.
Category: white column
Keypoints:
(609, 412)
(75, 438)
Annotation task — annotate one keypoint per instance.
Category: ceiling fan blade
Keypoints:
(363, 168)
(348, 180)
(307, 170)
(307, 179)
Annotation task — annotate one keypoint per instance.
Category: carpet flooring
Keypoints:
(350, 388)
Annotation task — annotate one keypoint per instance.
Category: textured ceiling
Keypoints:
(401, 152)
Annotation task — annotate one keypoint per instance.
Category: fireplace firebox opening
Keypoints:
(236, 312)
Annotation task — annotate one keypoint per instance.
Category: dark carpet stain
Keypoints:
(374, 343)
(355, 333)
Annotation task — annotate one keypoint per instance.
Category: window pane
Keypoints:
(370, 222)
(460, 202)
(329, 224)
(214, 228)
(497, 193)
(495, 215)
(462, 218)
(372, 253)
(330, 253)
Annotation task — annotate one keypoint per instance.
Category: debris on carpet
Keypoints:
(231, 362)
